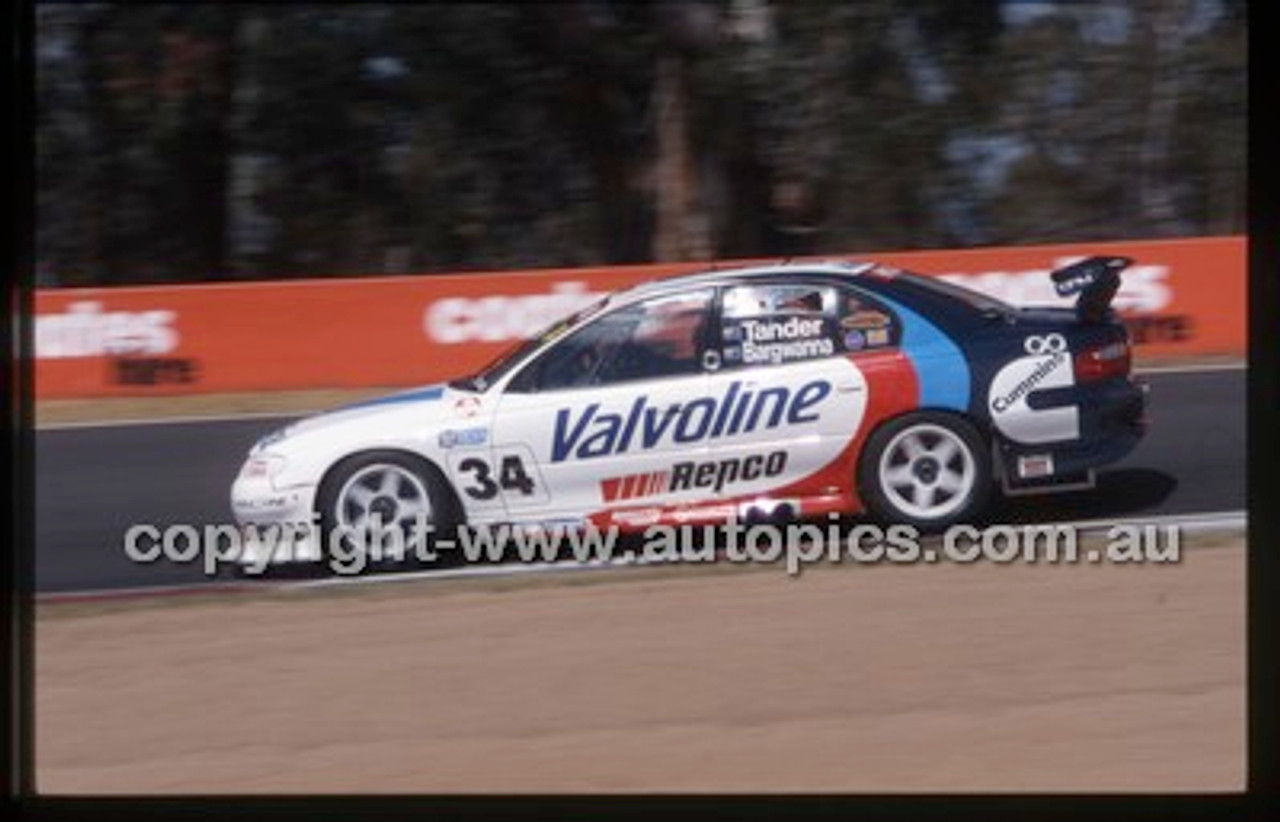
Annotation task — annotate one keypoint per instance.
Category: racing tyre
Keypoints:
(397, 489)
(928, 469)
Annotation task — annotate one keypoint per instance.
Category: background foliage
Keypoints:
(230, 141)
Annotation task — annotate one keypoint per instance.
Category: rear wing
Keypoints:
(1096, 280)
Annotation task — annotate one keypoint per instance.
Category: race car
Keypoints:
(773, 392)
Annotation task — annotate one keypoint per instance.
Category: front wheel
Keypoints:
(927, 469)
(399, 492)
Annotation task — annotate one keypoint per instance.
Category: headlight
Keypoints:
(263, 465)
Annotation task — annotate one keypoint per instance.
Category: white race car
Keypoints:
(789, 390)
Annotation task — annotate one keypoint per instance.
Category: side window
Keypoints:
(662, 337)
(774, 323)
(863, 323)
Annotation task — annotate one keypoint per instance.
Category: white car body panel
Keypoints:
(823, 404)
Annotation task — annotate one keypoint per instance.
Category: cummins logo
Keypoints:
(1048, 344)
(1048, 365)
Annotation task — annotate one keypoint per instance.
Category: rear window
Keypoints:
(940, 287)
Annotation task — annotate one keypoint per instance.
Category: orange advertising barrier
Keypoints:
(1181, 297)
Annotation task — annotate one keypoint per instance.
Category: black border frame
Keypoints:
(1263, 776)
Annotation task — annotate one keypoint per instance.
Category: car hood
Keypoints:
(423, 405)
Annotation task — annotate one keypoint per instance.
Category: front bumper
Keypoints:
(277, 526)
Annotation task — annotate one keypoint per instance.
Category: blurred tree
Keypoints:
(134, 141)
(1125, 119)
(199, 142)
(315, 116)
(63, 157)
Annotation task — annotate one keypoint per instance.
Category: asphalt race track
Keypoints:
(92, 483)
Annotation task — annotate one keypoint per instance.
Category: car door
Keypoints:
(798, 398)
(603, 414)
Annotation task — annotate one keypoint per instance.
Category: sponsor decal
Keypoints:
(591, 433)
(715, 474)
(712, 475)
(776, 353)
(702, 513)
(778, 341)
(865, 318)
(85, 330)
(877, 336)
(637, 517)
(1043, 367)
(795, 328)
(1048, 344)
(467, 407)
(634, 485)
(854, 340)
(463, 437)
(1047, 365)
(261, 503)
(1082, 279)
(508, 475)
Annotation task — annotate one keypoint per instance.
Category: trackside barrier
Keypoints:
(1181, 298)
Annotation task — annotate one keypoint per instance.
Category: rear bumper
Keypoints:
(1113, 420)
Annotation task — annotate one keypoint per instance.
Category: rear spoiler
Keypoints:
(1096, 280)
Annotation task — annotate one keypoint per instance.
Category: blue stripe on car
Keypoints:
(435, 392)
(940, 365)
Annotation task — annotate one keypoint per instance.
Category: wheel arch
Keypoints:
(982, 426)
(862, 468)
(433, 472)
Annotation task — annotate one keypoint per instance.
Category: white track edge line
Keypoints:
(1203, 521)
(106, 594)
(1192, 369)
(1193, 523)
(1199, 522)
(126, 423)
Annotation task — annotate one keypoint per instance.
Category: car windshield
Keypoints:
(508, 359)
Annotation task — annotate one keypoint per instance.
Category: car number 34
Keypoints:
(507, 474)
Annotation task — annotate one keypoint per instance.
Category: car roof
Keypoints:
(740, 274)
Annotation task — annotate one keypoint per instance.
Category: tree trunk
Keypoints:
(681, 232)
(1158, 209)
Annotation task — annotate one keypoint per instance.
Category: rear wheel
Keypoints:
(927, 469)
(403, 495)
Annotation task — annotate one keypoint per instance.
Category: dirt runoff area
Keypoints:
(714, 679)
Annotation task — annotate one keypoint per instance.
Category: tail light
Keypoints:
(1102, 362)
